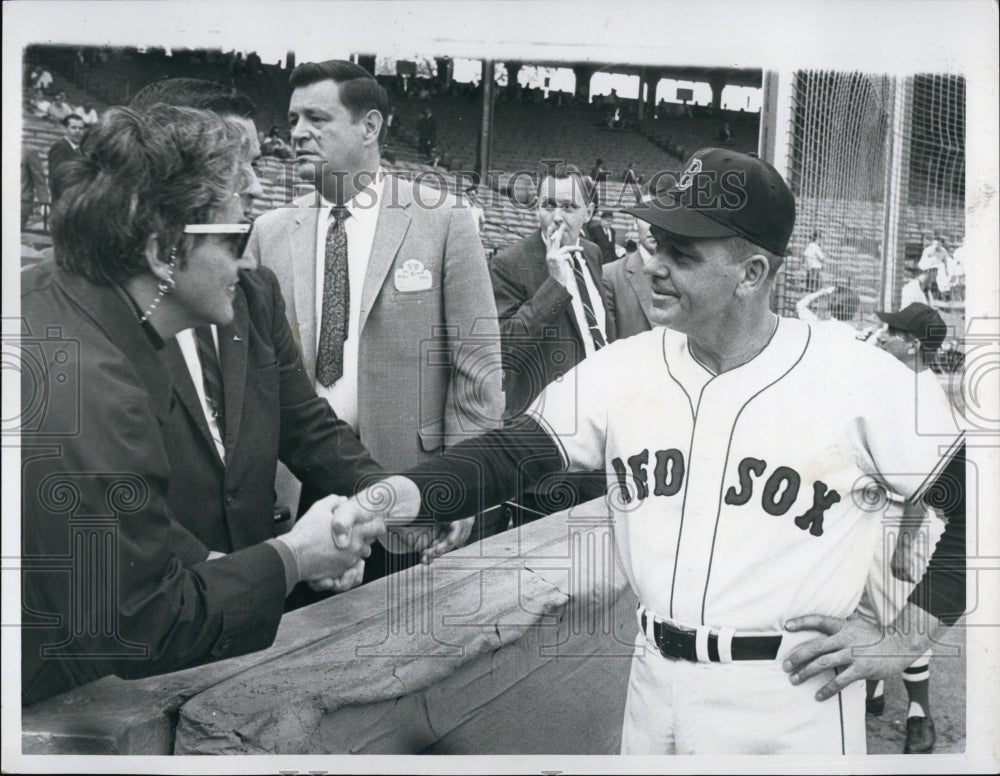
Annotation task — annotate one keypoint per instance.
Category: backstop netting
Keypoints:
(877, 165)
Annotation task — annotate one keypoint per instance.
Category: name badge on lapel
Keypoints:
(412, 276)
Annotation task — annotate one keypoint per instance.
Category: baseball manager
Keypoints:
(744, 455)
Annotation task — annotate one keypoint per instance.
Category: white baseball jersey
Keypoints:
(746, 498)
(885, 595)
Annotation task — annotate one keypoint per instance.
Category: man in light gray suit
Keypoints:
(386, 286)
(629, 294)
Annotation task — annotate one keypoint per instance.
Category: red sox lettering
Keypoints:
(668, 477)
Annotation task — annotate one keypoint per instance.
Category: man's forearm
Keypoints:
(479, 473)
(941, 591)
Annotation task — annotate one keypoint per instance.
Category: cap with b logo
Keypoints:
(923, 322)
(722, 193)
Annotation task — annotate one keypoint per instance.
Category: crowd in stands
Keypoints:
(427, 128)
(447, 139)
(947, 268)
(827, 284)
(40, 99)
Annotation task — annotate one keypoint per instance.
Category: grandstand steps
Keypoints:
(526, 134)
(36, 240)
(75, 95)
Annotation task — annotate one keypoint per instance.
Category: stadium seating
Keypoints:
(523, 135)
(682, 135)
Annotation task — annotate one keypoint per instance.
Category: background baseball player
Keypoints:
(912, 336)
(842, 306)
(739, 454)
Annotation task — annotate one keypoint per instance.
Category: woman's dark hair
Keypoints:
(142, 173)
(194, 93)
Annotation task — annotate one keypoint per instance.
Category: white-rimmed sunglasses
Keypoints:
(240, 233)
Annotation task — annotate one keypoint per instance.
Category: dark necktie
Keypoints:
(588, 308)
(211, 373)
(336, 302)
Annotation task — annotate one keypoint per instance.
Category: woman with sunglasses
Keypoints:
(148, 242)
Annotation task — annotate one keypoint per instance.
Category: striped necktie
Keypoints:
(336, 302)
(211, 373)
(588, 308)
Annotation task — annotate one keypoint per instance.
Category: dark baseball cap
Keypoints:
(921, 321)
(722, 193)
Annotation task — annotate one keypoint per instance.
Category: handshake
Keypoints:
(331, 541)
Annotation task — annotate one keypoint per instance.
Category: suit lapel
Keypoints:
(593, 262)
(393, 222)
(536, 248)
(302, 252)
(233, 362)
(120, 324)
(640, 284)
(542, 272)
(185, 391)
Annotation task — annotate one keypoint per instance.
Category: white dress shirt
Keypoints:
(189, 349)
(360, 224)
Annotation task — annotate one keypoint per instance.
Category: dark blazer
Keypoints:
(539, 335)
(272, 412)
(629, 294)
(60, 152)
(599, 238)
(99, 491)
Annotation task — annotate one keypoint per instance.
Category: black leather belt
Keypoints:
(674, 641)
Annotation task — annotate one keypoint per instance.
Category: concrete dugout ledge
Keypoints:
(519, 643)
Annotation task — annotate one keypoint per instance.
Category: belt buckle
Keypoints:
(695, 645)
(675, 642)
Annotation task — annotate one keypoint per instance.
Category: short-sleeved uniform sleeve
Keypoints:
(574, 408)
(910, 430)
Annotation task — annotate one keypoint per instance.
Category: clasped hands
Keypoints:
(383, 511)
(321, 562)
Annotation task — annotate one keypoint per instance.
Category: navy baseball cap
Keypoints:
(921, 321)
(722, 193)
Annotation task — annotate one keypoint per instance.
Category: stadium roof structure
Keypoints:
(729, 75)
